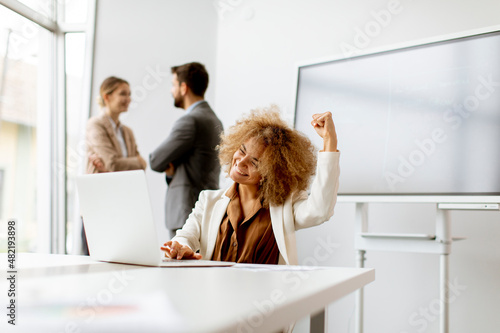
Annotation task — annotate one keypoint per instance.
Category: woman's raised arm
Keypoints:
(324, 126)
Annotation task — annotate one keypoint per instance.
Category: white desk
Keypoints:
(59, 293)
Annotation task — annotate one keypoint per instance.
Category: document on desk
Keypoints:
(131, 313)
(263, 267)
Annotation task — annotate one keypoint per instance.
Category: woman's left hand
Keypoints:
(324, 126)
(98, 163)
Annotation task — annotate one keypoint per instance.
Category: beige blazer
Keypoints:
(299, 211)
(101, 140)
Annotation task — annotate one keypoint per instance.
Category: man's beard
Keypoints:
(178, 102)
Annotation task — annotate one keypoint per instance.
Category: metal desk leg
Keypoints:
(444, 293)
(443, 235)
(358, 322)
(318, 322)
(361, 226)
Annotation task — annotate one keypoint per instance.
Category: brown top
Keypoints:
(245, 239)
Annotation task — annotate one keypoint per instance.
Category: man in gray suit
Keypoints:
(188, 155)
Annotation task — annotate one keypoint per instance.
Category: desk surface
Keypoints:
(57, 293)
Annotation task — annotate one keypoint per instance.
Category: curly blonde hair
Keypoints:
(289, 158)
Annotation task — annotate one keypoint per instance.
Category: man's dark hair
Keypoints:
(194, 75)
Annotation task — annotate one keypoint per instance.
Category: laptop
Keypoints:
(118, 220)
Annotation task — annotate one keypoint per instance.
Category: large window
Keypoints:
(24, 104)
(1, 190)
(44, 83)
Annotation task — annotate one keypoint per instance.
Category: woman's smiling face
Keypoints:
(244, 167)
(119, 99)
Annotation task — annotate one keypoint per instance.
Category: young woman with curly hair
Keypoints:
(255, 219)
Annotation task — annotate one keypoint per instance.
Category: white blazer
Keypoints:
(299, 211)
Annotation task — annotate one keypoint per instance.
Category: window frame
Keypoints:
(52, 222)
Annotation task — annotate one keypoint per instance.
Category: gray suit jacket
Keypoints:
(191, 147)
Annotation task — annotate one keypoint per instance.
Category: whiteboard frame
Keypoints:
(402, 198)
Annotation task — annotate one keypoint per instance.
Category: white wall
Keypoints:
(250, 48)
(259, 43)
(140, 41)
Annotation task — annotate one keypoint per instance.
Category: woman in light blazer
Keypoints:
(255, 220)
(111, 145)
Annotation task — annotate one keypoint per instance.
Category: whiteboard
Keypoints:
(420, 120)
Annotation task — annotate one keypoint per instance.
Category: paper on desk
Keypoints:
(263, 267)
(138, 313)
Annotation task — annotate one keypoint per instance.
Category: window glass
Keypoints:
(24, 126)
(75, 11)
(1, 190)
